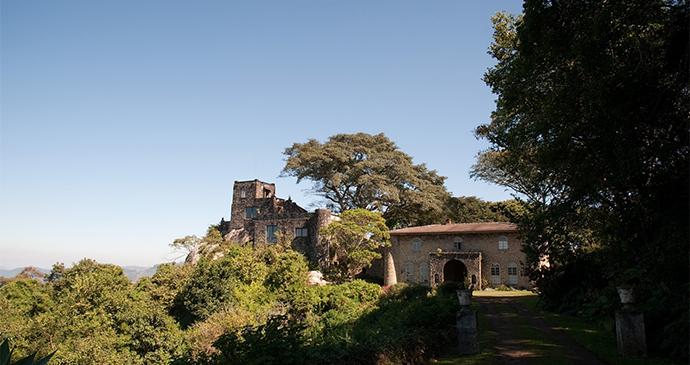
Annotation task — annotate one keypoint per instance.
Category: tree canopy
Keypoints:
(591, 129)
(361, 171)
(470, 209)
(355, 239)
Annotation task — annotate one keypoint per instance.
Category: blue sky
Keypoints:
(123, 124)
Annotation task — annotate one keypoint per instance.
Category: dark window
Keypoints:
(502, 243)
(271, 234)
(495, 277)
(416, 244)
(512, 274)
(301, 232)
(424, 273)
(409, 272)
(252, 212)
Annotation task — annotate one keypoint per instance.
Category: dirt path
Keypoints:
(509, 321)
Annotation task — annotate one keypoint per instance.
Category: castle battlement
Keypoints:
(257, 214)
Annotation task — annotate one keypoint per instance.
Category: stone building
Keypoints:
(426, 255)
(430, 255)
(257, 215)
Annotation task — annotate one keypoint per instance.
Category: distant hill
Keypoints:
(12, 273)
(133, 273)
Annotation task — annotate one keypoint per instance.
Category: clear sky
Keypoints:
(123, 124)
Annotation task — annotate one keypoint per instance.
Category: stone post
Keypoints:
(389, 274)
(630, 330)
(321, 245)
(466, 324)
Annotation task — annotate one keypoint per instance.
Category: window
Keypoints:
(252, 212)
(502, 243)
(495, 278)
(271, 234)
(301, 232)
(512, 274)
(244, 193)
(409, 272)
(457, 241)
(424, 273)
(416, 244)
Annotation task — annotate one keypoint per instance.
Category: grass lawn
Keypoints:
(590, 336)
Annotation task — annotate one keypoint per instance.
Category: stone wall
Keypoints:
(286, 215)
(477, 251)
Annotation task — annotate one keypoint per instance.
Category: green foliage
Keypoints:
(470, 209)
(361, 171)
(24, 304)
(590, 128)
(355, 239)
(208, 290)
(186, 244)
(90, 314)
(28, 296)
(276, 342)
(210, 246)
(6, 357)
(503, 287)
(287, 273)
(253, 305)
(512, 210)
(166, 283)
(407, 325)
(199, 337)
(352, 323)
(244, 276)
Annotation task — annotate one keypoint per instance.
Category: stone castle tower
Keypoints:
(257, 215)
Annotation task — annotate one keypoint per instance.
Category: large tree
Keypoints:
(591, 128)
(470, 209)
(361, 171)
(355, 240)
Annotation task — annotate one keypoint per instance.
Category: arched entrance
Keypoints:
(454, 270)
(456, 266)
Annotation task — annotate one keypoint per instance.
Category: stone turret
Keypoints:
(257, 215)
(248, 194)
(321, 245)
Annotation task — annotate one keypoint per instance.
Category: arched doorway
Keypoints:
(454, 270)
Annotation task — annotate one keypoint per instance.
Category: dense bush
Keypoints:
(252, 306)
(352, 324)
(90, 314)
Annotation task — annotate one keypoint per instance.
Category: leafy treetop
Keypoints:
(361, 171)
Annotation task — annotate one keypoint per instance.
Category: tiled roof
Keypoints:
(465, 228)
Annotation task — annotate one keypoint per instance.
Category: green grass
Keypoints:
(539, 348)
(487, 351)
(589, 335)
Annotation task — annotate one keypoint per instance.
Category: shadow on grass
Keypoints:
(538, 348)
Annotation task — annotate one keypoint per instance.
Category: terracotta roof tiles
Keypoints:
(455, 228)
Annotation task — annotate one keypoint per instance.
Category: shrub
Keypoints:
(503, 287)
(6, 356)
(276, 342)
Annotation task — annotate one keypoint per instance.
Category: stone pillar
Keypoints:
(466, 324)
(630, 330)
(321, 245)
(389, 274)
